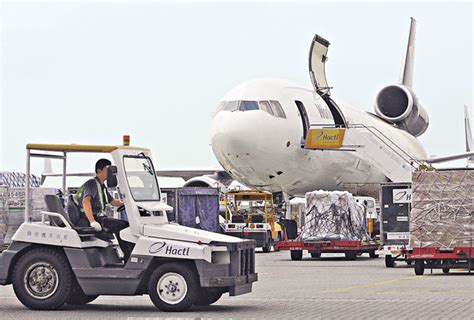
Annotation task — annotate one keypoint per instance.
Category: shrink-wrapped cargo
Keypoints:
(442, 209)
(12, 213)
(333, 215)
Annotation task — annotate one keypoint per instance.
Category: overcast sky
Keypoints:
(90, 72)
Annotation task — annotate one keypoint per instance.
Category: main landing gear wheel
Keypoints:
(42, 279)
(173, 287)
(445, 270)
(315, 254)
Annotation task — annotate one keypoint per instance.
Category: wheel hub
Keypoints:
(41, 280)
(172, 288)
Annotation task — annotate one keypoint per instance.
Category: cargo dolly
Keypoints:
(442, 258)
(351, 248)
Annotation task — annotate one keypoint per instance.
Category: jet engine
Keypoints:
(205, 181)
(399, 105)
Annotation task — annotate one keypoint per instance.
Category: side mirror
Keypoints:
(112, 177)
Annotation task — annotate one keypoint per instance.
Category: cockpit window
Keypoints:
(231, 106)
(265, 106)
(220, 106)
(277, 109)
(248, 105)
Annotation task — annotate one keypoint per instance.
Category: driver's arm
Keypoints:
(112, 201)
(86, 204)
(116, 203)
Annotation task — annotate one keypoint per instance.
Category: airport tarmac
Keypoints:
(307, 289)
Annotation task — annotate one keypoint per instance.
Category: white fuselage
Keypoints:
(264, 151)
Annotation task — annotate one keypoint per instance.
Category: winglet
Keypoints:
(468, 131)
(406, 77)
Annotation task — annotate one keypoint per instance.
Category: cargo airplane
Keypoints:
(260, 128)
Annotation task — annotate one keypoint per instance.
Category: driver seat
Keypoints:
(53, 203)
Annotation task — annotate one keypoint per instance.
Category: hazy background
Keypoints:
(90, 72)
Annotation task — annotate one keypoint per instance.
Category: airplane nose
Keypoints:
(235, 133)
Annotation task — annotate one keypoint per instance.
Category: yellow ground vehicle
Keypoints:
(251, 215)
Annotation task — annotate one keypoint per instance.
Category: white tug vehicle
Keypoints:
(52, 262)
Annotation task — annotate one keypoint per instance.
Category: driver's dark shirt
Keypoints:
(90, 189)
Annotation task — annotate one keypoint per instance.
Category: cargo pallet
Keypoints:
(351, 248)
(441, 258)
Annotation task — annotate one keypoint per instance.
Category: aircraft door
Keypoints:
(304, 117)
(317, 72)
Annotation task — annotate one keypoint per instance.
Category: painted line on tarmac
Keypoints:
(368, 285)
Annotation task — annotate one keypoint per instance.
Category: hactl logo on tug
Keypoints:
(324, 138)
(169, 250)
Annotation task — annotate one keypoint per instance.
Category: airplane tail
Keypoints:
(406, 76)
(468, 132)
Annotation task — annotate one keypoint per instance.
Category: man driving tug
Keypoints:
(92, 198)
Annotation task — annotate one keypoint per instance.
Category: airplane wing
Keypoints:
(216, 174)
(469, 154)
(467, 128)
(185, 174)
(450, 158)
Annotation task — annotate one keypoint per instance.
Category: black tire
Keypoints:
(409, 262)
(267, 247)
(296, 255)
(278, 238)
(49, 267)
(351, 255)
(419, 267)
(181, 277)
(208, 296)
(372, 254)
(389, 261)
(315, 254)
(77, 297)
(446, 270)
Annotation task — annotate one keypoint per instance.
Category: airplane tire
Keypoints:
(445, 270)
(315, 254)
(42, 279)
(174, 287)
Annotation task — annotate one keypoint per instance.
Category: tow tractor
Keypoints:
(251, 215)
(53, 262)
